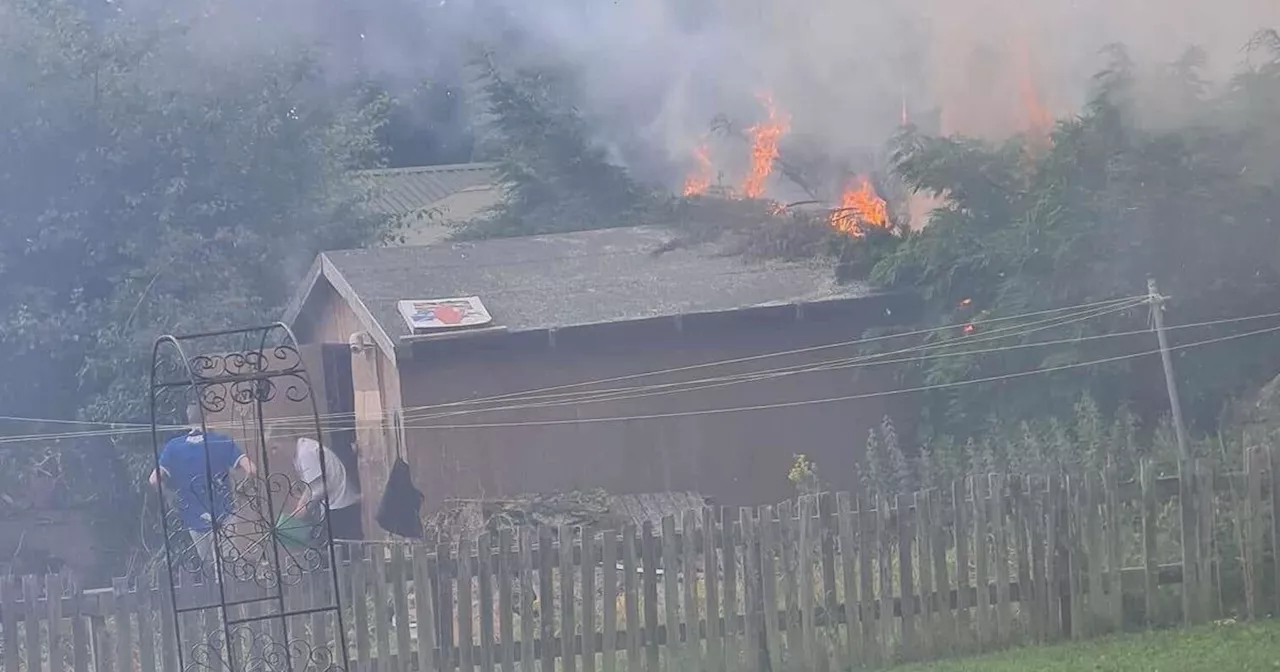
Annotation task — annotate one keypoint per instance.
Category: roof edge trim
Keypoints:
(348, 294)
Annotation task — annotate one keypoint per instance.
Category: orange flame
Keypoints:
(1037, 120)
(860, 206)
(764, 149)
(699, 181)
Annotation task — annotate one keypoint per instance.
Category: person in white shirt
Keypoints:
(345, 512)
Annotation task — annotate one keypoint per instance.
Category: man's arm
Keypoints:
(312, 475)
(244, 465)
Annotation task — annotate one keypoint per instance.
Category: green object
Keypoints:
(294, 531)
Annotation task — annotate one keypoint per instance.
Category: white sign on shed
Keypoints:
(424, 315)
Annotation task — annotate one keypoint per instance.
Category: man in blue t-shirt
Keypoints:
(186, 463)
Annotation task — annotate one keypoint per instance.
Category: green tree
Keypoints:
(153, 184)
(556, 178)
(1132, 187)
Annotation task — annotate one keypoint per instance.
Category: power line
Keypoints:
(769, 374)
(411, 412)
(1095, 309)
(851, 397)
(820, 366)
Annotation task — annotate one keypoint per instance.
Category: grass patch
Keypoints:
(1239, 647)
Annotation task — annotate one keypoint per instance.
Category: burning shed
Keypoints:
(606, 359)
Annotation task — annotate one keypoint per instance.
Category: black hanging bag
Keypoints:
(401, 501)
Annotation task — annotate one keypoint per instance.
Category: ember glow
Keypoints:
(764, 149)
(860, 207)
(699, 180)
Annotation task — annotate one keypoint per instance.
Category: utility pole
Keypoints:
(1157, 319)
(1195, 578)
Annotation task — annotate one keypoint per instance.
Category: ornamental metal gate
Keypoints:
(250, 569)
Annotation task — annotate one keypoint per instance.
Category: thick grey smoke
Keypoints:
(655, 73)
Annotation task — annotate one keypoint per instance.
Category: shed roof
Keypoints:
(571, 279)
(403, 191)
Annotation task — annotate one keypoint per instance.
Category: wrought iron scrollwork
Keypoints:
(255, 649)
(253, 541)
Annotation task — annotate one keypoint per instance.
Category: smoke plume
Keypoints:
(655, 74)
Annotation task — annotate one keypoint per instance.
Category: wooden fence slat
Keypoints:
(1190, 543)
(168, 624)
(484, 590)
(884, 563)
(1095, 553)
(631, 599)
(1273, 459)
(849, 580)
(1000, 543)
(1020, 521)
(868, 540)
(767, 532)
(1252, 526)
(588, 577)
(689, 570)
(789, 565)
(729, 549)
(31, 625)
(924, 568)
(399, 570)
(124, 630)
(609, 601)
(381, 597)
(960, 533)
(1113, 518)
(1073, 533)
(53, 622)
(982, 606)
(938, 545)
(804, 559)
(546, 600)
(1150, 559)
(711, 591)
(466, 611)
(1053, 520)
(318, 587)
(1033, 508)
(752, 608)
(906, 577)
(649, 553)
(671, 591)
(827, 547)
(360, 578)
(1206, 507)
(425, 607)
(147, 627)
(527, 601)
(80, 653)
(806, 537)
(568, 600)
(9, 590)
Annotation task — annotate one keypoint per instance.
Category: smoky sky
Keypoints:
(653, 74)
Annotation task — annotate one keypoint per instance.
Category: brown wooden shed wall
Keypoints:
(736, 458)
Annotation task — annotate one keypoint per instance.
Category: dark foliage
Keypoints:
(1157, 177)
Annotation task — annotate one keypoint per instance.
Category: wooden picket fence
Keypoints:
(825, 582)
